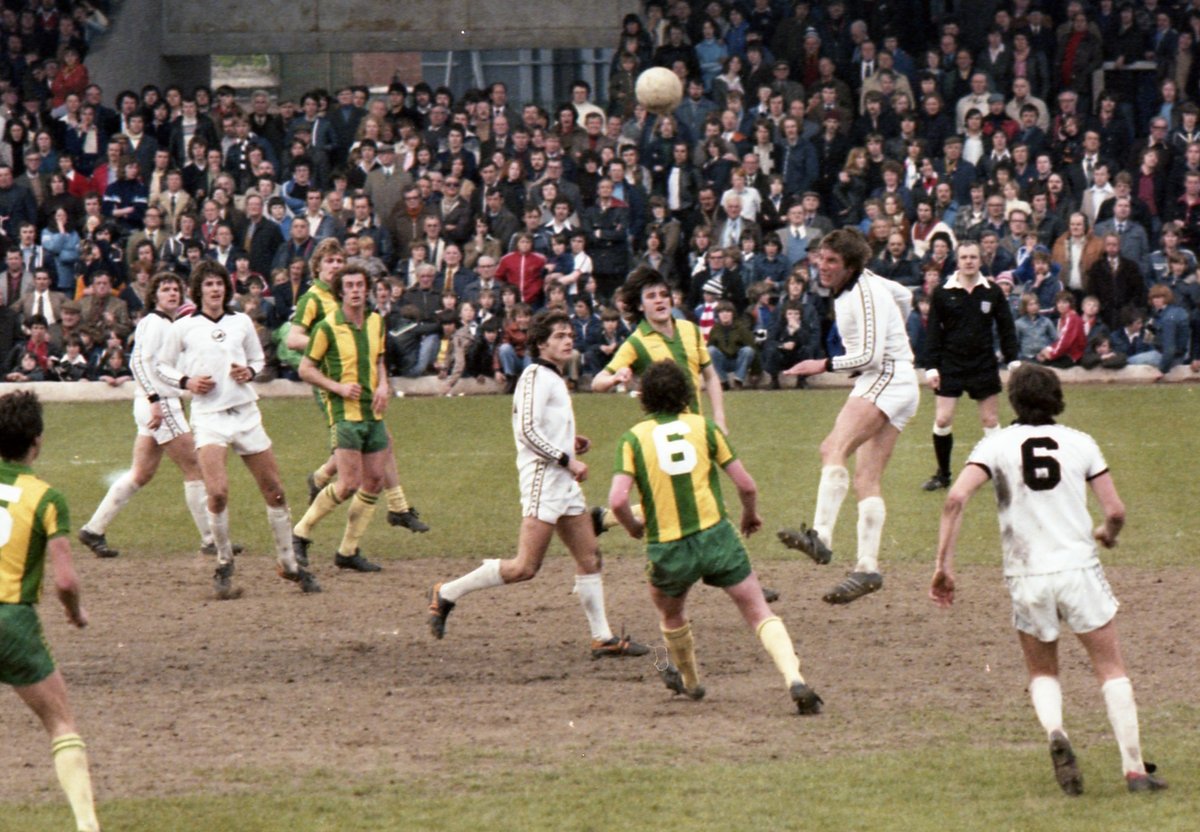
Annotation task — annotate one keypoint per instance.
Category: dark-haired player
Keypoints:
(34, 529)
(673, 455)
(548, 451)
(215, 353)
(1042, 471)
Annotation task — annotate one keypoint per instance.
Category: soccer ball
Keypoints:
(659, 90)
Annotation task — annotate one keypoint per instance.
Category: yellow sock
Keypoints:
(608, 519)
(774, 637)
(681, 647)
(320, 478)
(396, 501)
(327, 500)
(71, 765)
(358, 517)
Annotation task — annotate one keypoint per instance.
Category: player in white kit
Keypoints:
(551, 499)
(162, 427)
(215, 354)
(1041, 471)
(871, 314)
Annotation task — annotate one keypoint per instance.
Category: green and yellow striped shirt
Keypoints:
(646, 345)
(315, 305)
(348, 355)
(674, 459)
(31, 514)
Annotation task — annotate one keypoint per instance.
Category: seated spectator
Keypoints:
(1171, 327)
(405, 333)
(112, 368)
(27, 369)
(705, 315)
(512, 356)
(1068, 348)
(72, 365)
(795, 337)
(731, 347)
(1045, 284)
(1100, 353)
(600, 353)
(1035, 332)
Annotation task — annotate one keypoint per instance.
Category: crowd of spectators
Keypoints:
(474, 211)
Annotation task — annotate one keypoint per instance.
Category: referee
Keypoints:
(962, 354)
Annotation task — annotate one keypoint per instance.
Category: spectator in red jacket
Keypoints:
(524, 269)
(1071, 343)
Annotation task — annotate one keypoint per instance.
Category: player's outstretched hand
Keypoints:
(941, 590)
(582, 445)
(579, 470)
(751, 522)
(808, 367)
(623, 375)
(1108, 541)
(201, 384)
(638, 530)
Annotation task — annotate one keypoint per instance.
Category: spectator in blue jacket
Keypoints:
(1172, 330)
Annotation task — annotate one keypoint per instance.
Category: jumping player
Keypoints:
(673, 455)
(548, 451)
(215, 354)
(1041, 471)
(342, 347)
(34, 528)
(871, 313)
(314, 305)
(162, 427)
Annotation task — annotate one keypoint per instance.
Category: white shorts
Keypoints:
(1079, 598)
(893, 389)
(238, 427)
(548, 492)
(173, 425)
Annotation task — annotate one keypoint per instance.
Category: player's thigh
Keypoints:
(182, 451)
(871, 459)
(147, 454)
(211, 459)
(747, 596)
(857, 422)
(1104, 649)
(1041, 657)
(577, 534)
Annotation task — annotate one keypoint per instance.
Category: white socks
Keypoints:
(119, 493)
(1046, 693)
(219, 523)
(197, 502)
(871, 514)
(1122, 713)
(483, 577)
(835, 482)
(590, 589)
(280, 520)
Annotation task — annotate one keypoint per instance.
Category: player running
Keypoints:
(871, 314)
(1041, 472)
(215, 353)
(673, 455)
(345, 359)
(34, 528)
(548, 451)
(162, 427)
(314, 305)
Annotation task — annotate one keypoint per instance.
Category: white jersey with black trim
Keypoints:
(872, 313)
(148, 341)
(1041, 475)
(202, 346)
(543, 419)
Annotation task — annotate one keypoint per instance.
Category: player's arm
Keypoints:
(716, 396)
(147, 342)
(297, 337)
(618, 501)
(66, 581)
(748, 494)
(383, 391)
(941, 589)
(532, 403)
(618, 371)
(1114, 510)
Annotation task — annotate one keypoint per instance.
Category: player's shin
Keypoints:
(871, 515)
(778, 644)
(1046, 693)
(219, 523)
(358, 517)
(327, 500)
(71, 766)
(590, 589)
(482, 577)
(396, 500)
(835, 482)
(196, 498)
(1122, 714)
(280, 520)
(120, 493)
(681, 647)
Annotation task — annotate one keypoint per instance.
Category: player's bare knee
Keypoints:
(521, 571)
(218, 500)
(346, 486)
(274, 495)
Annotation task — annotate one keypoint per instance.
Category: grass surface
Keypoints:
(456, 461)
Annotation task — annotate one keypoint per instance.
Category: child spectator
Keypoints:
(706, 312)
(1068, 349)
(512, 356)
(599, 354)
(1035, 332)
(73, 364)
(918, 331)
(792, 340)
(731, 347)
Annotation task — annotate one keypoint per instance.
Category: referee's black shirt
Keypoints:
(959, 334)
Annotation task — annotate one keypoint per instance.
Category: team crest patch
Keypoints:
(985, 307)
(218, 335)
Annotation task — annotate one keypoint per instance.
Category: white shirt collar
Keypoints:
(953, 282)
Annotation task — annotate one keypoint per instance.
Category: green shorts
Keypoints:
(24, 655)
(715, 555)
(367, 437)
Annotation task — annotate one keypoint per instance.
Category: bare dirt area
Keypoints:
(176, 693)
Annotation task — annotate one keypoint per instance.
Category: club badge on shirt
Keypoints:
(985, 307)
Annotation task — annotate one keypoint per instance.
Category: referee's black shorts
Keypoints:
(978, 386)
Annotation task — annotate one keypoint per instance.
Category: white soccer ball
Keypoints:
(659, 90)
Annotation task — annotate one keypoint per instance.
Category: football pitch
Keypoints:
(339, 711)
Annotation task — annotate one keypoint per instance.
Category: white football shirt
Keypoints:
(1041, 475)
(151, 334)
(872, 316)
(198, 345)
(543, 419)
